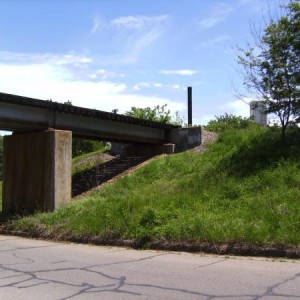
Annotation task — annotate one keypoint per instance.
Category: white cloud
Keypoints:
(37, 58)
(215, 41)
(184, 72)
(130, 46)
(145, 41)
(98, 24)
(133, 48)
(50, 81)
(157, 85)
(174, 86)
(141, 85)
(238, 108)
(71, 59)
(104, 74)
(133, 36)
(138, 22)
(146, 85)
(218, 14)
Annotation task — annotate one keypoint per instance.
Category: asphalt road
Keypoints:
(31, 269)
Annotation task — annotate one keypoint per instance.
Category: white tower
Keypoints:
(257, 109)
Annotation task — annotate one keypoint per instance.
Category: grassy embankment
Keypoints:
(88, 161)
(243, 189)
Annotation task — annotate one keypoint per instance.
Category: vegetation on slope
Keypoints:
(83, 146)
(87, 161)
(243, 189)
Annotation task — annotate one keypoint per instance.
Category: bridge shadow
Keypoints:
(3, 217)
(101, 173)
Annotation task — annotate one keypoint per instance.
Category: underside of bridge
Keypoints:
(38, 155)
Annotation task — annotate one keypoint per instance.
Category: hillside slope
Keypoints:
(245, 188)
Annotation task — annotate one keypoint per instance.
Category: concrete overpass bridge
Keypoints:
(23, 114)
(37, 156)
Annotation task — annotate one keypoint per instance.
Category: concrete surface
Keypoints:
(31, 269)
(185, 138)
(17, 117)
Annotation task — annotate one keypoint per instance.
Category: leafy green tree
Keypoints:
(157, 113)
(226, 121)
(83, 146)
(271, 69)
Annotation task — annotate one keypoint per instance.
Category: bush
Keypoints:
(83, 146)
(157, 113)
(226, 121)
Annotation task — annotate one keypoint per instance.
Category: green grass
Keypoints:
(245, 188)
(87, 161)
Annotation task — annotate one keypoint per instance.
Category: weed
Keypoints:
(243, 189)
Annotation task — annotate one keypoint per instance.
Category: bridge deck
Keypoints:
(19, 113)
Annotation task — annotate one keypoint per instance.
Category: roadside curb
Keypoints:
(229, 248)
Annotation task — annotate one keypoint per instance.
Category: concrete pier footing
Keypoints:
(37, 171)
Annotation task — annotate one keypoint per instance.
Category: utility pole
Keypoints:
(190, 109)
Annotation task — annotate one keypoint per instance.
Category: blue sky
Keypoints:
(115, 54)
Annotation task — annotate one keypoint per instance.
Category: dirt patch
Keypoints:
(230, 248)
(208, 138)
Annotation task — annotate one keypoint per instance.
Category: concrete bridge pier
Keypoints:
(36, 171)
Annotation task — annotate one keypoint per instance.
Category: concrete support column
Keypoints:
(36, 171)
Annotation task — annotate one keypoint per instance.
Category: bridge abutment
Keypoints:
(176, 140)
(36, 171)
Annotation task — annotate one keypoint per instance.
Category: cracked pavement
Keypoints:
(34, 269)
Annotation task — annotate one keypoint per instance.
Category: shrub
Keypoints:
(83, 146)
(227, 121)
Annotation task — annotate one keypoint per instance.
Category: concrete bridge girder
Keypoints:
(25, 118)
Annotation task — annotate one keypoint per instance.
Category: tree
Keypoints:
(157, 113)
(225, 122)
(82, 146)
(271, 69)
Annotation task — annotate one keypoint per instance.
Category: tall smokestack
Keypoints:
(190, 109)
